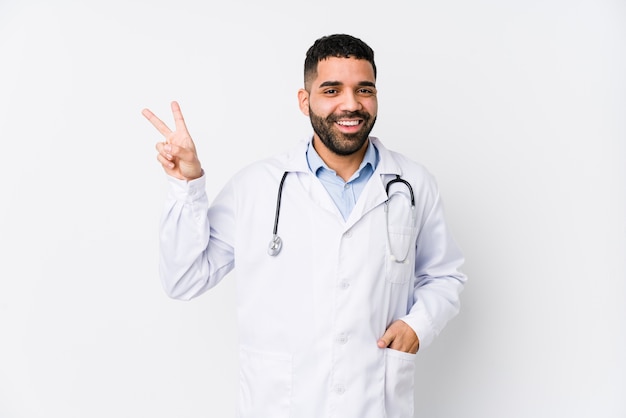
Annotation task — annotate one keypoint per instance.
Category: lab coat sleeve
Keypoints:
(193, 257)
(439, 281)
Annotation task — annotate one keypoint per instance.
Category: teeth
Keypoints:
(348, 122)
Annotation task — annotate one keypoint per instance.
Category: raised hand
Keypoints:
(177, 154)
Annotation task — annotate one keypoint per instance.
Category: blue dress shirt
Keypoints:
(344, 194)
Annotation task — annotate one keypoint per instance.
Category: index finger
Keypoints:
(156, 122)
(178, 117)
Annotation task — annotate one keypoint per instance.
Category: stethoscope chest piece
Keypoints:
(276, 244)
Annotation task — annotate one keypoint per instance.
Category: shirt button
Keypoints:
(340, 389)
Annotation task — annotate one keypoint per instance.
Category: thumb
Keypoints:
(386, 339)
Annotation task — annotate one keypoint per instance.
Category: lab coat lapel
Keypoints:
(320, 196)
(374, 193)
(296, 162)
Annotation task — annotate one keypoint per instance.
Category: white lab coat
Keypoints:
(310, 317)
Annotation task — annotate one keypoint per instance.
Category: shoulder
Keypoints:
(395, 162)
(272, 168)
(423, 183)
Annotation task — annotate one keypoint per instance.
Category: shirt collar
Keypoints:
(316, 163)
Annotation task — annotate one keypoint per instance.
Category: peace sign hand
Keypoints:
(177, 154)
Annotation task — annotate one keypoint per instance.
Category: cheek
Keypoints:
(322, 108)
(372, 107)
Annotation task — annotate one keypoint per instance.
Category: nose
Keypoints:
(350, 102)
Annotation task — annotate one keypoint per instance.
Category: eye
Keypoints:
(331, 91)
(366, 91)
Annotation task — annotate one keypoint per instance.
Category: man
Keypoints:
(356, 277)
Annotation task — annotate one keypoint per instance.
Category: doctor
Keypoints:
(361, 271)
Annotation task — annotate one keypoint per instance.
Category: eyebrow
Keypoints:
(339, 83)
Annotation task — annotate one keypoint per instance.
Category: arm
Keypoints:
(193, 258)
(437, 287)
(439, 281)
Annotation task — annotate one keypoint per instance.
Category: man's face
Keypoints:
(341, 103)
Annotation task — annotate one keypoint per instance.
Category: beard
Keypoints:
(336, 141)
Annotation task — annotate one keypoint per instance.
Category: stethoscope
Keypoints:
(276, 244)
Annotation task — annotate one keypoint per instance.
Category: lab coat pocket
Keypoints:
(265, 384)
(399, 383)
(400, 254)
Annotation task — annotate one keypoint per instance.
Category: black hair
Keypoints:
(338, 45)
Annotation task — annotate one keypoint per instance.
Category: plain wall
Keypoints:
(517, 107)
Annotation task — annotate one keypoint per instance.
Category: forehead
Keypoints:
(344, 70)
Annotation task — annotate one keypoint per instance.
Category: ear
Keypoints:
(303, 101)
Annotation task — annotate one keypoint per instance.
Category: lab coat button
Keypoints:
(344, 285)
(342, 338)
(348, 234)
(340, 389)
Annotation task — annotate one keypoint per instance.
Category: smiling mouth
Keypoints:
(348, 122)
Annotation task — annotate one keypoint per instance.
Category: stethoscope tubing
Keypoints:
(278, 201)
(399, 179)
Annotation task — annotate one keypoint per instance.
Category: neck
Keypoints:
(344, 165)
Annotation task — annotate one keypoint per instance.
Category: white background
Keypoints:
(517, 107)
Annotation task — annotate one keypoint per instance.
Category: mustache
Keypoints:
(349, 115)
